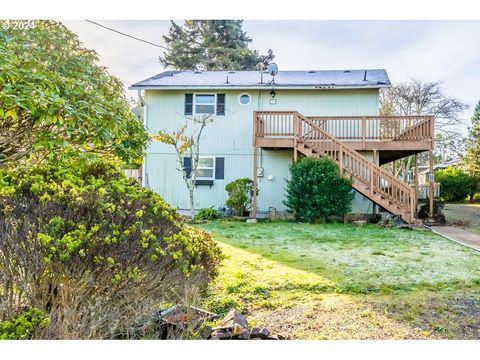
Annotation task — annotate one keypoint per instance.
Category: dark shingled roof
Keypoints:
(376, 78)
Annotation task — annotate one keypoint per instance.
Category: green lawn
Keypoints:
(335, 281)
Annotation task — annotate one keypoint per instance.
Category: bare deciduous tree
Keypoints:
(186, 145)
(417, 97)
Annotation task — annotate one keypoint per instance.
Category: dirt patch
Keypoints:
(454, 315)
(335, 317)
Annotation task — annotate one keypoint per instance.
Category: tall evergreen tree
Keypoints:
(471, 157)
(211, 45)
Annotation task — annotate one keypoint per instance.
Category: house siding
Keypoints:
(230, 136)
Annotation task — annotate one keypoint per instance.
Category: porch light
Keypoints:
(273, 93)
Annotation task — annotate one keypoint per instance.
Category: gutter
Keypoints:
(284, 87)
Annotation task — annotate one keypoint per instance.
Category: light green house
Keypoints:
(227, 145)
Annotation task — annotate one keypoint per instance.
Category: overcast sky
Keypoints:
(427, 50)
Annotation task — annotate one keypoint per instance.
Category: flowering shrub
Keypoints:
(86, 245)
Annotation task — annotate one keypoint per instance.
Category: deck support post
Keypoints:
(375, 160)
(255, 179)
(394, 170)
(430, 185)
(295, 137)
(416, 183)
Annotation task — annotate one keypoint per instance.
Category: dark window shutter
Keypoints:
(188, 104)
(219, 168)
(187, 164)
(220, 104)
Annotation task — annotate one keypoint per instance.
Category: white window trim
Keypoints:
(194, 110)
(207, 167)
(249, 97)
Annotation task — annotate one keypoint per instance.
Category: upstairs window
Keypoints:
(205, 104)
(244, 99)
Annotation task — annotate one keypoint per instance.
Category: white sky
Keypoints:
(428, 50)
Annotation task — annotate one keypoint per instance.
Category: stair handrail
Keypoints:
(367, 163)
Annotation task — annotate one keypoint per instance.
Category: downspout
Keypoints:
(259, 108)
(144, 105)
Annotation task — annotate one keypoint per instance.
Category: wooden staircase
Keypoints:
(367, 178)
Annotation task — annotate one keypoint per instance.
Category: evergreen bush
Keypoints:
(316, 191)
(240, 195)
(455, 184)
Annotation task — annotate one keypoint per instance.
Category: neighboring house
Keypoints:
(424, 170)
(261, 125)
(423, 177)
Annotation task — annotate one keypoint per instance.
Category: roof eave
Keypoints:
(239, 87)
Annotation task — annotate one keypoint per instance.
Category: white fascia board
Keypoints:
(312, 87)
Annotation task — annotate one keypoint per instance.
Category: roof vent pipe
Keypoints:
(226, 82)
(365, 76)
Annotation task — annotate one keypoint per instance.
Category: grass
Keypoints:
(466, 214)
(335, 281)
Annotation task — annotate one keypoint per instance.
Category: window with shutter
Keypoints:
(219, 168)
(188, 104)
(206, 168)
(220, 104)
(187, 164)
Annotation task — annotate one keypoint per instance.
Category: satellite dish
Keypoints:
(272, 69)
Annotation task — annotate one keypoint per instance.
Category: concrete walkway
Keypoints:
(458, 235)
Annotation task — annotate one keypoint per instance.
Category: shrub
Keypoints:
(207, 214)
(23, 326)
(423, 211)
(316, 191)
(85, 245)
(240, 194)
(455, 184)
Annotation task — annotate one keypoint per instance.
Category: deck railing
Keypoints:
(349, 128)
(377, 179)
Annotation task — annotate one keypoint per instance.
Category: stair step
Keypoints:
(359, 184)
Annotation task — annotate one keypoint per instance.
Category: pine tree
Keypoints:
(471, 157)
(211, 45)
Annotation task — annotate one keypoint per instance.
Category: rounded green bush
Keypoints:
(316, 191)
(455, 184)
(79, 239)
(240, 195)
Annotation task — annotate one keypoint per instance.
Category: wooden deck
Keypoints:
(340, 139)
(408, 134)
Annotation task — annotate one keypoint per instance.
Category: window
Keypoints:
(206, 168)
(205, 104)
(244, 99)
